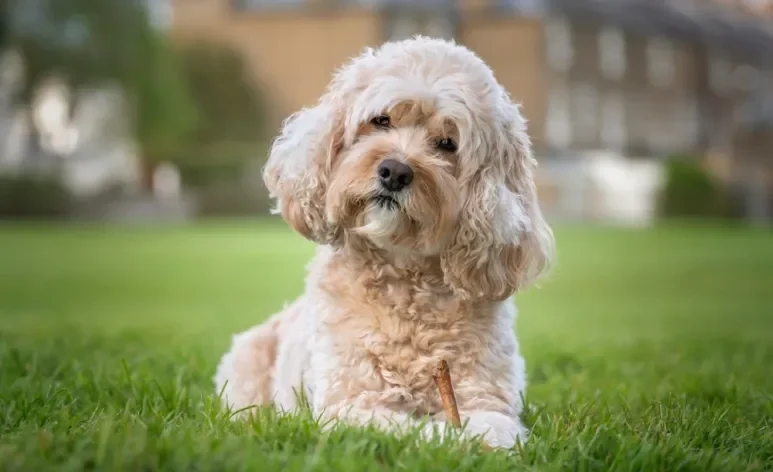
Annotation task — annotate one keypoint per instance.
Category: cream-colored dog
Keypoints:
(414, 176)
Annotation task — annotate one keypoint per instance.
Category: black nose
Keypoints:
(394, 175)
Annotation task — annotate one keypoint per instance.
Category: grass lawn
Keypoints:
(646, 350)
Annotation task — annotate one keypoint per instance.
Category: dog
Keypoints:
(414, 176)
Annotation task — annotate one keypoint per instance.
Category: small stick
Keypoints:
(442, 377)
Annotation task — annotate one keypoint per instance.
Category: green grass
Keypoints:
(646, 350)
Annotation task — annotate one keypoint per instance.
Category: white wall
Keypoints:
(601, 186)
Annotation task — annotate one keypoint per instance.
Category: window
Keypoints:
(432, 4)
(746, 78)
(403, 27)
(585, 110)
(660, 62)
(613, 135)
(689, 116)
(719, 73)
(405, 23)
(559, 124)
(560, 53)
(258, 4)
(658, 129)
(612, 53)
(524, 7)
(439, 26)
(672, 125)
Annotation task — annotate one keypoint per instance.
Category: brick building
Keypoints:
(642, 78)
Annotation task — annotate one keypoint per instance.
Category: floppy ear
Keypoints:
(503, 242)
(299, 166)
(302, 157)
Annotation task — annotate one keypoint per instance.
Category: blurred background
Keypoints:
(135, 235)
(162, 110)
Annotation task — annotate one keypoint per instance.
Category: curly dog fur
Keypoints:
(410, 270)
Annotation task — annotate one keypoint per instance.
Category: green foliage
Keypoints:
(646, 350)
(230, 103)
(690, 191)
(231, 199)
(164, 112)
(230, 130)
(196, 107)
(86, 41)
(33, 197)
(93, 42)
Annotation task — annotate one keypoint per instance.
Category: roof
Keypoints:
(756, 113)
(729, 25)
(744, 35)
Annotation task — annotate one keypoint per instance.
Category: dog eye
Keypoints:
(446, 144)
(381, 121)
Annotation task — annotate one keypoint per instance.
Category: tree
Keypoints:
(231, 114)
(94, 42)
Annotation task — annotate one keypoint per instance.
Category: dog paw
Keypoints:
(496, 430)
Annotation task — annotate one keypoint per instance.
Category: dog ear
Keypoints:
(301, 159)
(299, 165)
(502, 243)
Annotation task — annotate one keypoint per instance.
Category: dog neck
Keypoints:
(372, 282)
(362, 254)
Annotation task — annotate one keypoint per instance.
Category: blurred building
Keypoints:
(598, 79)
(87, 144)
(610, 87)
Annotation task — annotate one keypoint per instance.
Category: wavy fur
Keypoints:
(396, 287)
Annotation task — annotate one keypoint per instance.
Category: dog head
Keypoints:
(417, 148)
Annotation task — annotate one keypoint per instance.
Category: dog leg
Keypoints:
(244, 375)
(494, 428)
(367, 410)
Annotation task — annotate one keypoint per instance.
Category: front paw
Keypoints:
(436, 430)
(495, 429)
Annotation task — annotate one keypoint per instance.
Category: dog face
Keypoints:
(395, 184)
(417, 148)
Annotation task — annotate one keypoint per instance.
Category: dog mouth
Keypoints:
(386, 201)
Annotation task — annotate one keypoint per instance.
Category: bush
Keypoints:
(229, 132)
(231, 106)
(217, 163)
(690, 191)
(229, 199)
(31, 197)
